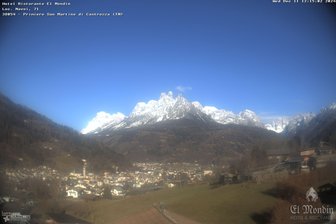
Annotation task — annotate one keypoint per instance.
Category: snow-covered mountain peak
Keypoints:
(170, 107)
(298, 121)
(161, 108)
(332, 106)
(169, 95)
(249, 114)
(248, 117)
(101, 120)
(219, 115)
(277, 124)
(210, 109)
(247, 111)
(197, 105)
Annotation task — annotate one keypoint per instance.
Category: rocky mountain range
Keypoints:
(312, 130)
(167, 107)
(173, 129)
(168, 129)
(170, 107)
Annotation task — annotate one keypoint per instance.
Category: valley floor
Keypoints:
(247, 202)
(192, 204)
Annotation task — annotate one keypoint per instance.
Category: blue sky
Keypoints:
(275, 59)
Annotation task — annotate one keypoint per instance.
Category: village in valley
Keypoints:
(43, 193)
(150, 176)
(87, 185)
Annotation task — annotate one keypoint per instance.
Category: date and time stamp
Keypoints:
(304, 1)
(51, 9)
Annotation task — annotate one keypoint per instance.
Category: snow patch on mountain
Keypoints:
(246, 117)
(102, 120)
(297, 122)
(277, 124)
(166, 108)
(330, 107)
(220, 115)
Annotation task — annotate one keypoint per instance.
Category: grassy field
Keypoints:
(226, 204)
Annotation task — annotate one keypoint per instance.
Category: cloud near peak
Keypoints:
(183, 88)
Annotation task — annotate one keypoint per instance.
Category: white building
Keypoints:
(117, 191)
(171, 185)
(80, 186)
(72, 193)
(207, 172)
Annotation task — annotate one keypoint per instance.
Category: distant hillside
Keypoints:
(189, 140)
(320, 128)
(30, 139)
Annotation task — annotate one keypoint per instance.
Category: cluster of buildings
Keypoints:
(41, 172)
(148, 176)
(142, 177)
